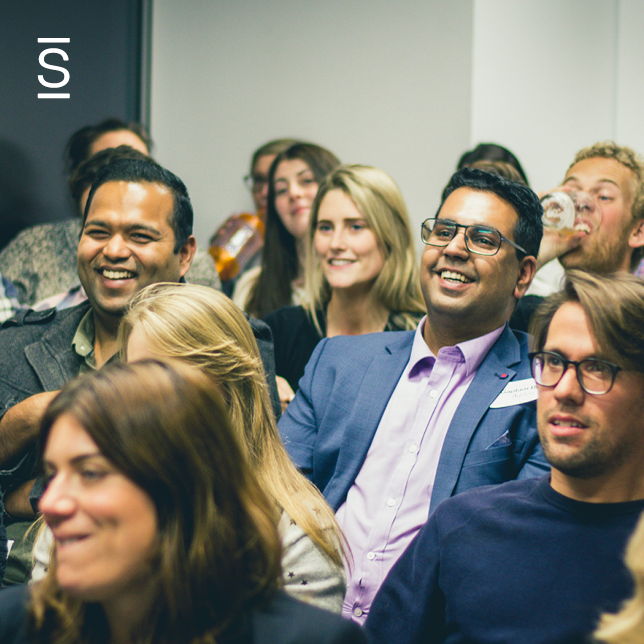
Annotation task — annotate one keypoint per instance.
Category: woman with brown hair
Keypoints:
(162, 534)
(293, 181)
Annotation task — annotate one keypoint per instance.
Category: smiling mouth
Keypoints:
(340, 262)
(567, 423)
(116, 275)
(451, 276)
(70, 541)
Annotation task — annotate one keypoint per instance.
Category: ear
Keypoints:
(636, 236)
(527, 269)
(186, 254)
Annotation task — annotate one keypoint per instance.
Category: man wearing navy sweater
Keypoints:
(539, 560)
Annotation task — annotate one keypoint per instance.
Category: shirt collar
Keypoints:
(83, 340)
(472, 352)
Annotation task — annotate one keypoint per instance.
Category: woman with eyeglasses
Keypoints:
(293, 181)
(236, 246)
(162, 533)
(361, 270)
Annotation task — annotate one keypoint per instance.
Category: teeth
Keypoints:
(117, 275)
(451, 275)
(339, 262)
(582, 227)
(559, 423)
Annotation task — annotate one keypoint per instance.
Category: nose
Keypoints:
(337, 239)
(568, 388)
(116, 248)
(57, 502)
(457, 246)
(294, 190)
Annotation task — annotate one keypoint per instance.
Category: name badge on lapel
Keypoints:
(516, 393)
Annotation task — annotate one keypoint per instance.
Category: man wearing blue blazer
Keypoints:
(388, 425)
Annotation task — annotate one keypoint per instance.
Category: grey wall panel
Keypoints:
(105, 80)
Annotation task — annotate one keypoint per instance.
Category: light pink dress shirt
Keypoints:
(389, 500)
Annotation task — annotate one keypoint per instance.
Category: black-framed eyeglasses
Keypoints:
(479, 239)
(594, 376)
(255, 184)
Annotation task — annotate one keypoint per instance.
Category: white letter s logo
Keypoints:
(41, 60)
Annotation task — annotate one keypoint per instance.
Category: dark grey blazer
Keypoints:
(36, 355)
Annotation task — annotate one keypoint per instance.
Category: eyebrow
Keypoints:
(347, 219)
(451, 221)
(77, 459)
(103, 224)
(149, 229)
(574, 178)
(564, 354)
(299, 174)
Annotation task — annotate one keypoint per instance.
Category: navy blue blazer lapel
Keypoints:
(374, 392)
(483, 390)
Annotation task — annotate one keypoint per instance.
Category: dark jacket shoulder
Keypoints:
(38, 322)
(289, 621)
(13, 615)
(283, 621)
(264, 339)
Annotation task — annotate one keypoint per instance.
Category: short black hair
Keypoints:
(79, 144)
(529, 229)
(140, 171)
(87, 171)
(491, 152)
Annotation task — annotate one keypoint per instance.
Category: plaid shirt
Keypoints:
(9, 304)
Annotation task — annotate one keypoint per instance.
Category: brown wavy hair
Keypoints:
(163, 425)
(280, 265)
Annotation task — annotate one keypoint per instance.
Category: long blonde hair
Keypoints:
(381, 203)
(627, 626)
(202, 326)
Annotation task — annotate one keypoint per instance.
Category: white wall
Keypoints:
(406, 86)
(377, 82)
(629, 126)
(553, 76)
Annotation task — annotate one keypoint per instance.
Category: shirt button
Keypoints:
(413, 448)
(391, 502)
(371, 556)
(357, 612)
(433, 393)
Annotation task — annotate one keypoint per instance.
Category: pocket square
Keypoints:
(501, 441)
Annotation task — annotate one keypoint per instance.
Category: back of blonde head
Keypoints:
(627, 626)
(379, 200)
(203, 327)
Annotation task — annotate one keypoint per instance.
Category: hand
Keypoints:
(555, 243)
(17, 502)
(285, 392)
(20, 425)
